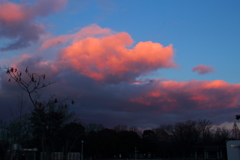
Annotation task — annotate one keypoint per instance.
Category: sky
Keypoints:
(137, 63)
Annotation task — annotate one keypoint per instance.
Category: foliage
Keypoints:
(237, 117)
(94, 127)
(47, 118)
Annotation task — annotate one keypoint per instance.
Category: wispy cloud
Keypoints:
(203, 69)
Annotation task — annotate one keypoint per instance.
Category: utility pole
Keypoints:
(82, 151)
(135, 153)
(235, 131)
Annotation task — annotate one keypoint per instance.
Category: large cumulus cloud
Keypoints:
(105, 57)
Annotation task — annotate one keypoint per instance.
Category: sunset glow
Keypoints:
(137, 63)
(102, 58)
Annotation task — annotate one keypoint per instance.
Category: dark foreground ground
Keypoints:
(145, 159)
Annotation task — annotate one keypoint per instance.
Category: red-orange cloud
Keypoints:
(172, 95)
(107, 59)
(202, 69)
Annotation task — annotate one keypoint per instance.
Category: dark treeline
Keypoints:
(56, 130)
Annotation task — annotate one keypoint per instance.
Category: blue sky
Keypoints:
(201, 32)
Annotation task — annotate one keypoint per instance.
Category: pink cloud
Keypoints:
(104, 57)
(171, 95)
(202, 69)
(17, 21)
(90, 31)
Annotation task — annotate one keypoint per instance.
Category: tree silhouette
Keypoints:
(237, 117)
(48, 117)
(29, 82)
